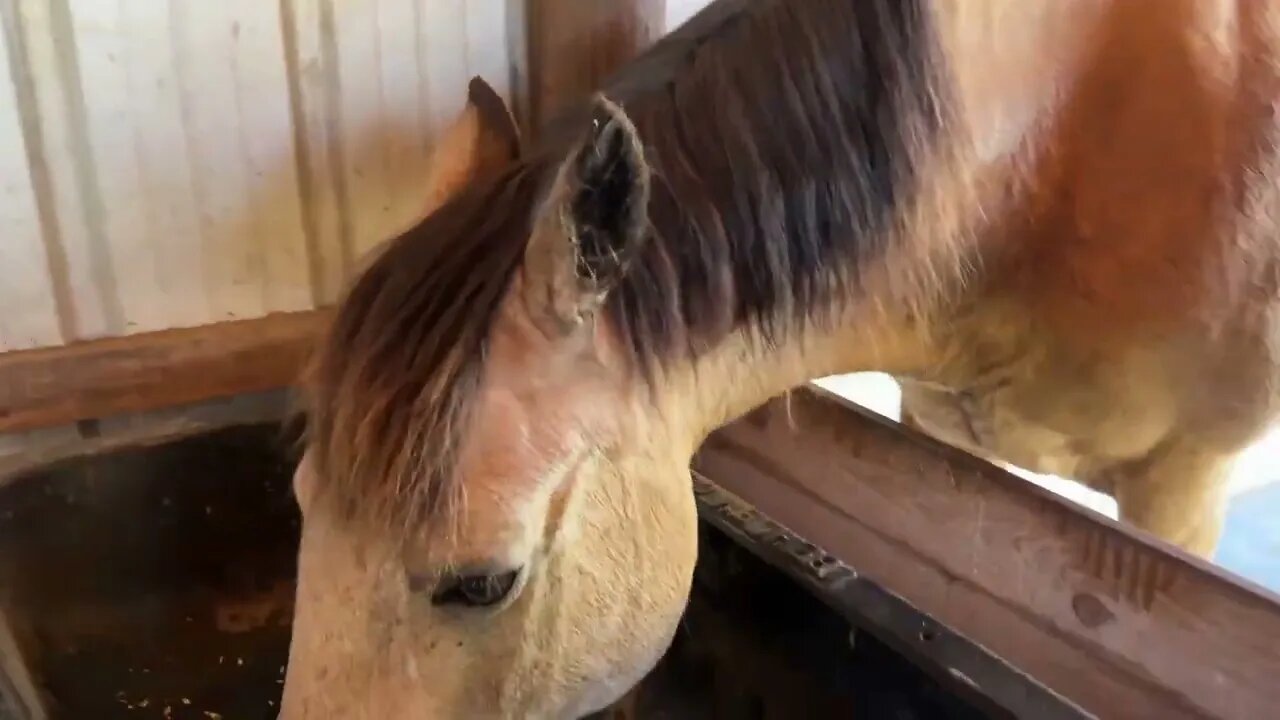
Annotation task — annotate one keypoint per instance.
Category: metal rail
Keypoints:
(962, 664)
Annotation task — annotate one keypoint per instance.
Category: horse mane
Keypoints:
(781, 137)
(388, 392)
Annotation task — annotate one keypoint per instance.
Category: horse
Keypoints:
(1053, 222)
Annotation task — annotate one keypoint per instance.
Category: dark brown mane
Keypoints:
(781, 152)
(781, 136)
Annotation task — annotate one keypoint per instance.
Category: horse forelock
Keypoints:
(389, 393)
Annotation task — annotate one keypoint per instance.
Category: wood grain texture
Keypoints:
(100, 378)
(574, 46)
(22, 452)
(1121, 624)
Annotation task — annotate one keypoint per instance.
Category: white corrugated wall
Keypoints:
(171, 163)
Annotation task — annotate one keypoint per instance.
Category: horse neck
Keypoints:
(975, 175)
(964, 171)
(889, 314)
(744, 372)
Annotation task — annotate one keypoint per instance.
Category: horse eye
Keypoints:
(476, 590)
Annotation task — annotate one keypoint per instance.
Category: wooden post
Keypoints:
(575, 45)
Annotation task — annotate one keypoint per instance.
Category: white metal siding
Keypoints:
(169, 163)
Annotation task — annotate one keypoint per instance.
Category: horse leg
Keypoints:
(1177, 493)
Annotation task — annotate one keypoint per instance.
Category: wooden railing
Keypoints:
(1116, 621)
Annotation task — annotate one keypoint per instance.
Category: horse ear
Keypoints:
(479, 143)
(593, 223)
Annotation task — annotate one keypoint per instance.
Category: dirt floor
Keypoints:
(158, 583)
(155, 583)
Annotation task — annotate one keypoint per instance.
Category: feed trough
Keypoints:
(156, 581)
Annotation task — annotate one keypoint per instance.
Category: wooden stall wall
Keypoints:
(167, 163)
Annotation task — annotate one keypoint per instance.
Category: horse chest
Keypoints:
(1047, 412)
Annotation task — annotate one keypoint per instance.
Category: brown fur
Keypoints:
(1053, 222)
(1120, 334)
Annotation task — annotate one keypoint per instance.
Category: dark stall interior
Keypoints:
(156, 582)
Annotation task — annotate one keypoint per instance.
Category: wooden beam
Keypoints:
(1119, 623)
(574, 46)
(137, 373)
